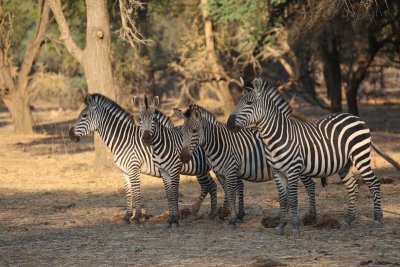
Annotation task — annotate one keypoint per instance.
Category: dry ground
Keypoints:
(57, 208)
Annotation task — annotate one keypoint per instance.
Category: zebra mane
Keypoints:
(205, 114)
(110, 104)
(272, 93)
(163, 119)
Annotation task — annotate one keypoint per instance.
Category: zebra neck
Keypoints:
(115, 128)
(211, 137)
(275, 128)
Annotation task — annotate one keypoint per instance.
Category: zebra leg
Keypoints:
(128, 194)
(231, 188)
(134, 178)
(171, 184)
(224, 211)
(207, 185)
(281, 185)
(239, 193)
(311, 217)
(293, 183)
(352, 189)
(374, 187)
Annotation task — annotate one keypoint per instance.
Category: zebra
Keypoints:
(117, 129)
(294, 148)
(231, 155)
(166, 144)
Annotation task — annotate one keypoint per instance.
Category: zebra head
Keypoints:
(249, 110)
(191, 131)
(87, 121)
(146, 116)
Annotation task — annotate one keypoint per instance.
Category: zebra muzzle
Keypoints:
(74, 138)
(146, 138)
(185, 155)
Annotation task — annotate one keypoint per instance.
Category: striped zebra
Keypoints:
(117, 129)
(294, 148)
(231, 155)
(166, 144)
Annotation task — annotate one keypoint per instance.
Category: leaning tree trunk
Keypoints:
(220, 78)
(95, 57)
(331, 68)
(14, 88)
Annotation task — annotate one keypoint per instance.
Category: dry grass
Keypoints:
(57, 208)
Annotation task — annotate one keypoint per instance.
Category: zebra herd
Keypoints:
(279, 147)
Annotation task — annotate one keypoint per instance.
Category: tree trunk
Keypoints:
(97, 63)
(18, 106)
(331, 69)
(95, 58)
(219, 80)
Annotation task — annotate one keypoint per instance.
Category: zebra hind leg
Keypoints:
(311, 217)
(374, 186)
(352, 189)
(239, 193)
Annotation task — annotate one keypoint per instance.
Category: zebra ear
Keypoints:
(88, 100)
(241, 82)
(156, 102)
(258, 85)
(137, 102)
(179, 113)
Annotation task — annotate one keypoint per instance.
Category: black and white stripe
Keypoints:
(166, 145)
(319, 149)
(117, 129)
(234, 156)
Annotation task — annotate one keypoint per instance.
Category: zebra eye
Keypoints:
(194, 131)
(249, 102)
(84, 116)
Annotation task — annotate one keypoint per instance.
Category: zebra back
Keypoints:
(163, 119)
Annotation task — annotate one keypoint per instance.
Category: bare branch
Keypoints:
(33, 49)
(66, 37)
(128, 30)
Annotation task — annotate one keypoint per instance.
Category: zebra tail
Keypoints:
(324, 181)
(385, 156)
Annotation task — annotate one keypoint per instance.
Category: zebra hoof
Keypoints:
(279, 231)
(175, 225)
(376, 225)
(135, 222)
(295, 232)
(309, 219)
(231, 226)
(127, 218)
(239, 220)
(344, 225)
(168, 225)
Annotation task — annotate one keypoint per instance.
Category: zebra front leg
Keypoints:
(293, 183)
(223, 212)
(240, 190)
(128, 194)
(281, 185)
(171, 184)
(311, 217)
(134, 178)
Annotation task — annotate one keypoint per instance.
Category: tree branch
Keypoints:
(33, 49)
(66, 37)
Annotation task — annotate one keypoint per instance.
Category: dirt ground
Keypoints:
(57, 208)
